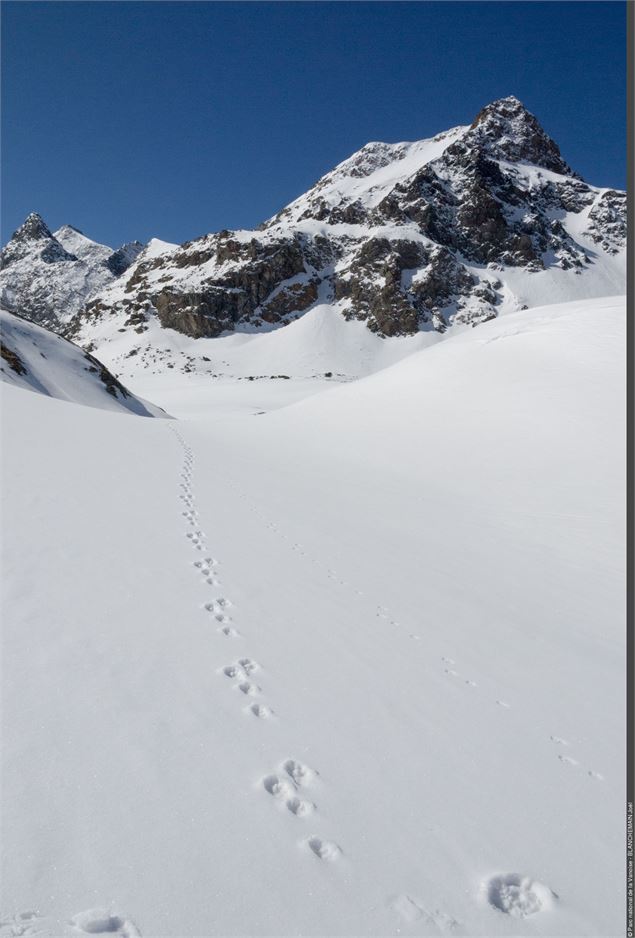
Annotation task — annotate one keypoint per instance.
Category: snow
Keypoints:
(371, 173)
(353, 666)
(76, 242)
(48, 364)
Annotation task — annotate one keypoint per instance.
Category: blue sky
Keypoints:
(159, 119)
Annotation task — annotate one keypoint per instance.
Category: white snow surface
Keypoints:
(372, 172)
(50, 365)
(352, 666)
(76, 242)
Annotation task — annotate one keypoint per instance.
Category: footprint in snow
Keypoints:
(246, 687)
(300, 807)
(284, 792)
(242, 668)
(262, 711)
(101, 922)
(301, 774)
(568, 760)
(218, 605)
(518, 896)
(229, 631)
(278, 787)
(324, 849)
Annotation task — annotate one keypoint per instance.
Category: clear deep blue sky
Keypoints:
(134, 120)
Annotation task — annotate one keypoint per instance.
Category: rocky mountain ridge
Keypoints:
(48, 276)
(451, 231)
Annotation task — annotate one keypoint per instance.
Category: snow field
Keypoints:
(349, 667)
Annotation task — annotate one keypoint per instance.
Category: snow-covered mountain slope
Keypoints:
(38, 360)
(355, 666)
(48, 277)
(406, 238)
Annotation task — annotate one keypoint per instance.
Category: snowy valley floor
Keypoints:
(352, 666)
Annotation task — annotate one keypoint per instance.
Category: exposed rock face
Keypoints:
(403, 237)
(49, 276)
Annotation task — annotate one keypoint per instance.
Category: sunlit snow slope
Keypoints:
(350, 667)
(38, 360)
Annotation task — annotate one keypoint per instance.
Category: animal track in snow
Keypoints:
(262, 711)
(324, 849)
(217, 606)
(301, 774)
(518, 896)
(503, 704)
(278, 787)
(248, 688)
(558, 741)
(229, 631)
(596, 776)
(300, 807)
(101, 922)
(568, 760)
(242, 668)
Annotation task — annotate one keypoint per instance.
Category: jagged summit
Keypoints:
(48, 276)
(34, 227)
(512, 132)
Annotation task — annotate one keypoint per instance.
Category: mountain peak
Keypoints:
(68, 229)
(506, 127)
(508, 107)
(33, 228)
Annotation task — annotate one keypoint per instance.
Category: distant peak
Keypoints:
(68, 228)
(34, 228)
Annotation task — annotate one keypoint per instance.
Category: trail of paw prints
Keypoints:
(290, 788)
(241, 671)
(218, 607)
(207, 567)
(570, 762)
(31, 924)
(450, 671)
(386, 616)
